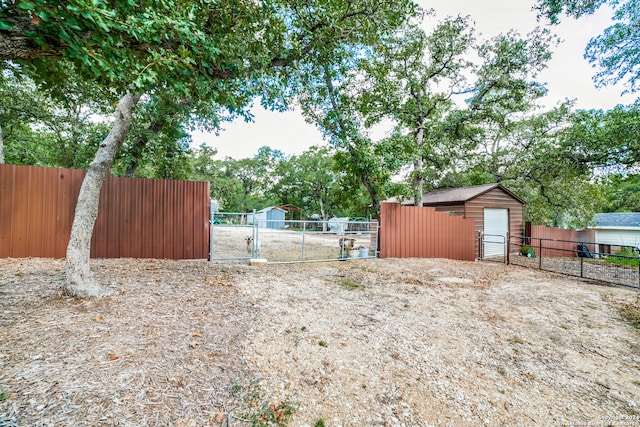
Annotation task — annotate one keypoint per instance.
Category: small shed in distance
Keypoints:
(271, 217)
(494, 209)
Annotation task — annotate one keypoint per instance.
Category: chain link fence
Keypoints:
(240, 236)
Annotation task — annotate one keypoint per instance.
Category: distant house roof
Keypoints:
(618, 220)
(457, 195)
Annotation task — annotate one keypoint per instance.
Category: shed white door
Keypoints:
(496, 227)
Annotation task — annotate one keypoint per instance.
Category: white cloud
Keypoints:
(286, 131)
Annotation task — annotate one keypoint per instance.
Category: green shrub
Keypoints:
(625, 256)
(527, 251)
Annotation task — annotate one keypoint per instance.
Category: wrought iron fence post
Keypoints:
(508, 249)
(581, 266)
(540, 254)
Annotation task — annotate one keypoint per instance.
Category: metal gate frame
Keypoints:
(235, 221)
(495, 239)
(355, 239)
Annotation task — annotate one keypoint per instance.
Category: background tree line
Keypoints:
(566, 164)
(455, 122)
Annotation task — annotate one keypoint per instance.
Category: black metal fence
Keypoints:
(612, 264)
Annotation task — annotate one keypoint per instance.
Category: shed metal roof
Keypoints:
(618, 219)
(270, 208)
(457, 195)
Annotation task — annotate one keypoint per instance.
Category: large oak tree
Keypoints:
(198, 53)
(441, 101)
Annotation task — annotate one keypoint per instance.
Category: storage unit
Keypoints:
(496, 211)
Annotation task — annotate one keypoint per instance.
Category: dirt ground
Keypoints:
(414, 342)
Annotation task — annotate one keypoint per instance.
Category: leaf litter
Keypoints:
(417, 342)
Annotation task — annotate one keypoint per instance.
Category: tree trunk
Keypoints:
(418, 181)
(79, 280)
(136, 157)
(373, 192)
(1, 147)
(16, 44)
(323, 214)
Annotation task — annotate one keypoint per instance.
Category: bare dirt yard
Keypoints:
(414, 342)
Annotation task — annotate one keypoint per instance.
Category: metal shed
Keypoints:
(495, 210)
(271, 217)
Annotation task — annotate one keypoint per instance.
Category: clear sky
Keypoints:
(568, 76)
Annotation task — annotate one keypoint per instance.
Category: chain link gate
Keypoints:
(241, 236)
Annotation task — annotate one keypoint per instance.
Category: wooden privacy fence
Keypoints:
(137, 218)
(421, 232)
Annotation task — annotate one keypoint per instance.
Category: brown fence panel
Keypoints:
(421, 232)
(36, 210)
(152, 219)
(137, 218)
(563, 242)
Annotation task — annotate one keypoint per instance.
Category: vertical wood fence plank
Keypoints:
(136, 227)
(126, 231)
(147, 214)
(154, 206)
(34, 212)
